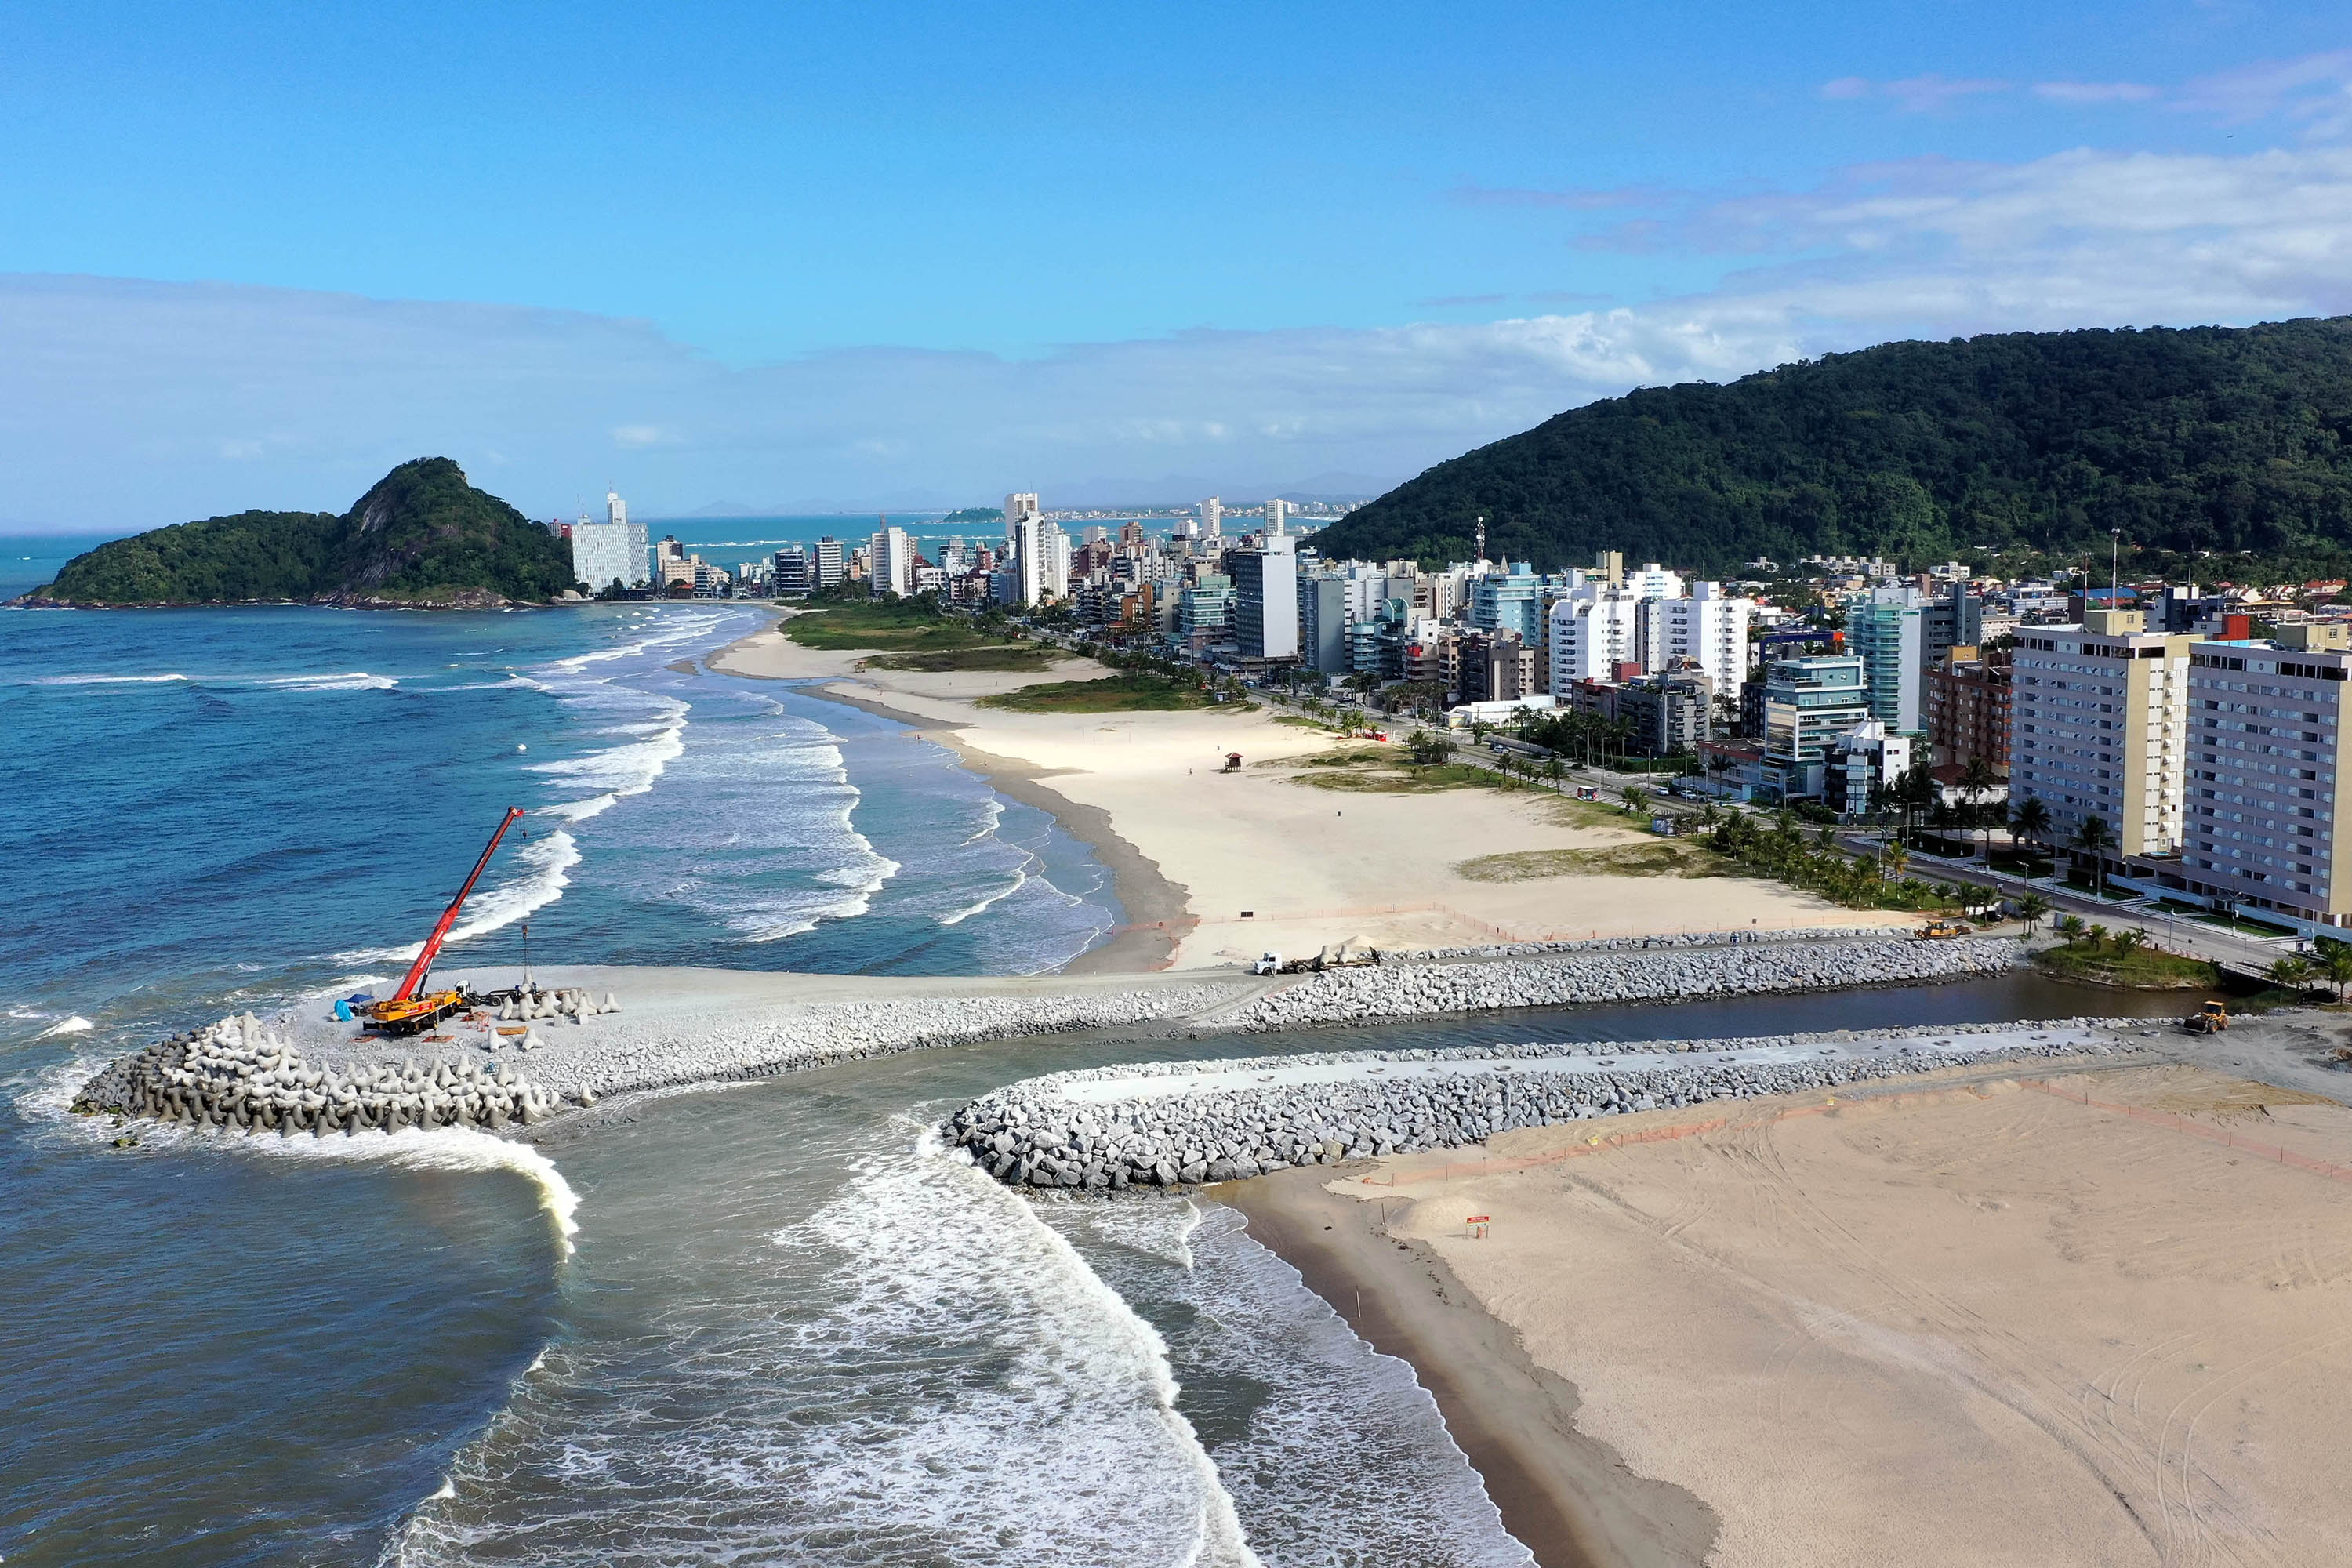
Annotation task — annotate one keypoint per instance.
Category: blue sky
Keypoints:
(903, 253)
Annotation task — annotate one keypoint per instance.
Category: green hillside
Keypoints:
(2210, 439)
(422, 535)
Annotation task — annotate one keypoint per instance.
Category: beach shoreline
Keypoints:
(1157, 910)
(1564, 1495)
(1294, 849)
(1154, 908)
(1613, 1362)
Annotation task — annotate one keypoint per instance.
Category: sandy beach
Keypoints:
(1966, 1320)
(1215, 867)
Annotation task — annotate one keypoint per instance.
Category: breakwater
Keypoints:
(236, 1074)
(1620, 975)
(1183, 1123)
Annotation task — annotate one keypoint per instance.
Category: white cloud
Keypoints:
(1926, 94)
(2315, 91)
(128, 402)
(2090, 92)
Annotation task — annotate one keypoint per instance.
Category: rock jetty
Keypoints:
(1619, 974)
(1172, 1124)
(235, 1074)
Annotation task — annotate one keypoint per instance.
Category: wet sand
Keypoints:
(1566, 1497)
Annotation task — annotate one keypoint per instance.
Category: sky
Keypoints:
(794, 256)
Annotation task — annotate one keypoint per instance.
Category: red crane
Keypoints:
(410, 1007)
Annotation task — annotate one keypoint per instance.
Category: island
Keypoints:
(421, 536)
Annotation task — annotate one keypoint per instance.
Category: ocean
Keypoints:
(753, 1324)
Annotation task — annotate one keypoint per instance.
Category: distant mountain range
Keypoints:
(2212, 440)
(421, 535)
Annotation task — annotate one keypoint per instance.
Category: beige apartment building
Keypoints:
(2267, 805)
(2099, 727)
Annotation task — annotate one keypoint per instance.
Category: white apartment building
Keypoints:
(1591, 637)
(615, 550)
(1024, 531)
(890, 556)
(830, 568)
(1213, 518)
(2098, 727)
(2265, 824)
(1277, 513)
(1654, 582)
(1709, 628)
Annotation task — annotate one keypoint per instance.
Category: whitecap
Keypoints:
(102, 679)
(77, 1024)
(352, 680)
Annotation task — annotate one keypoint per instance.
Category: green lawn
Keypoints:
(1111, 694)
(2109, 962)
(1659, 858)
(1012, 655)
(894, 625)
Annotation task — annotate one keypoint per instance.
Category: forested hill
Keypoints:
(423, 535)
(2212, 439)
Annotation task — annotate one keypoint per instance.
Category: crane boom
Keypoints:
(416, 977)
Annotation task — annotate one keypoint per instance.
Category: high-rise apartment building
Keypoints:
(1509, 602)
(794, 572)
(1323, 622)
(1968, 708)
(614, 551)
(830, 569)
(1266, 598)
(1885, 629)
(1213, 518)
(1809, 703)
(1709, 628)
(1277, 513)
(1591, 638)
(2266, 826)
(890, 559)
(2098, 727)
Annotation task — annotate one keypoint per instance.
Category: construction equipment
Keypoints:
(2212, 1020)
(1267, 963)
(412, 1009)
(1942, 930)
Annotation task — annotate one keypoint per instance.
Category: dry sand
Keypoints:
(1980, 1324)
(1309, 865)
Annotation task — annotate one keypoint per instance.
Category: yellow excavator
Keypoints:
(412, 1009)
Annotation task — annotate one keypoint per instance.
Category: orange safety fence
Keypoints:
(2180, 1123)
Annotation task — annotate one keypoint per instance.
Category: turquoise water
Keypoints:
(750, 1325)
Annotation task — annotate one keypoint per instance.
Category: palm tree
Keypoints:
(1976, 779)
(2032, 910)
(1897, 859)
(2094, 839)
(2335, 963)
(2291, 973)
(2031, 820)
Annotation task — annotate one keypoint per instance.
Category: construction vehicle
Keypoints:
(1267, 963)
(1942, 930)
(2212, 1020)
(412, 1009)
